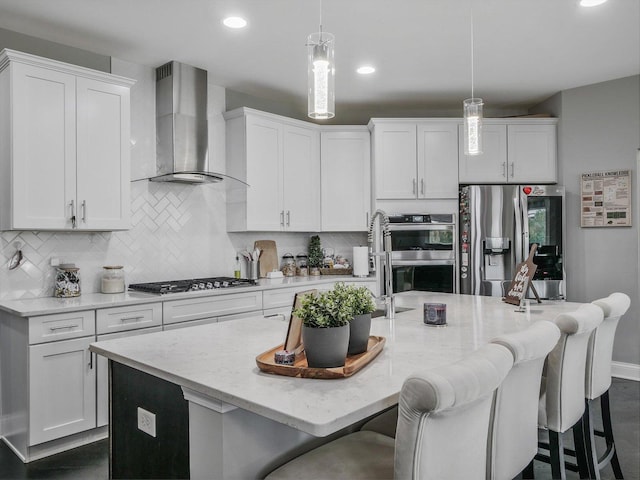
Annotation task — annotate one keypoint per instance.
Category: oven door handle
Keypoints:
(421, 263)
(398, 227)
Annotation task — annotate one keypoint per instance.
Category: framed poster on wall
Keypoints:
(605, 199)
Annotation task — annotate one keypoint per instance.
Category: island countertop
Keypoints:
(218, 360)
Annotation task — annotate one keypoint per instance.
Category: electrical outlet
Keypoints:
(147, 422)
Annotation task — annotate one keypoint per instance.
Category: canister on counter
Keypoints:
(435, 314)
(67, 282)
(112, 280)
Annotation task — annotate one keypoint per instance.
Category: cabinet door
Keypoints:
(394, 151)
(102, 155)
(264, 166)
(532, 153)
(437, 160)
(491, 166)
(44, 148)
(345, 179)
(62, 389)
(301, 179)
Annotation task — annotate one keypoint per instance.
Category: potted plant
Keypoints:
(325, 329)
(315, 255)
(361, 304)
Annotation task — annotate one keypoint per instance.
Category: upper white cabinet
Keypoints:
(64, 146)
(514, 151)
(345, 178)
(415, 159)
(280, 160)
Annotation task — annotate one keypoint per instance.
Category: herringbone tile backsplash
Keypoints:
(178, 231)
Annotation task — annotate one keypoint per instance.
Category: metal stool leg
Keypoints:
(581, 453)
(556, 454)
(590, 440)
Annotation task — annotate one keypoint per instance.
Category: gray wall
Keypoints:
(599, 129)
(37, 46)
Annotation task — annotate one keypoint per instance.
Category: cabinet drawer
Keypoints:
(61, 326)
(205, 307)
(284, 297)
(120, 319)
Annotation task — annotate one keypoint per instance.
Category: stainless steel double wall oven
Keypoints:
(424, 252)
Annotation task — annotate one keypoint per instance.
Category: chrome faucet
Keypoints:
(387, 295)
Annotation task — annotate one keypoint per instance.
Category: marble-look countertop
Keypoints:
(88, 301)
(218, 360)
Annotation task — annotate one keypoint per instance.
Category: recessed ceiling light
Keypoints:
(591, 3)
(235, 22)
(365, 70)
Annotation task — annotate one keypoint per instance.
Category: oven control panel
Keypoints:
(421, 218)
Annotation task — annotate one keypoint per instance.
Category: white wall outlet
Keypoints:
(147, 422)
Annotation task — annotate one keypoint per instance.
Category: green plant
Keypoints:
(315, 252)
(324, 310)
(358, 299)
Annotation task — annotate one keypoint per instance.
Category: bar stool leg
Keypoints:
(556, 454)
(608, 435)
(582, 456)
(527, 473)
(590, 440)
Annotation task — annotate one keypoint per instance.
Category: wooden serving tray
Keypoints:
(266, 363)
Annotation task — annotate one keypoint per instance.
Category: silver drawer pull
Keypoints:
(132, 319)
(63, 327)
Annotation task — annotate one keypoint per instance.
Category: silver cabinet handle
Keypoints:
(131, 319)
(415, 182)
(288, 218)
(504, 169)
(63, 327)
(422, 186)
(84, 211)
(282, 218)
(512, 170)
(90, 360)
(73, 214)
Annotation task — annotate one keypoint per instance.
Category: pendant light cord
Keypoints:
(472, 59)
(320, 21)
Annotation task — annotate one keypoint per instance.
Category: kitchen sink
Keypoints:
(380, 312)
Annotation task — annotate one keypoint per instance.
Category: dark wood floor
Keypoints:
(91, 462)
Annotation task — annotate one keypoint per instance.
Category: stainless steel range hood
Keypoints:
(181, 125)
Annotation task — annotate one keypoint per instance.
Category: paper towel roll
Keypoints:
(360, 261)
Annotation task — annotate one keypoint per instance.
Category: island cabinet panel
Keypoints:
(175, 311)
(514, 151)
(279, 159)
(62, 389)
(134, 453)
(345, 180)
(415, 159)
(65, 155)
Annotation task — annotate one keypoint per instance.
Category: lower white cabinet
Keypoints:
(62, 389)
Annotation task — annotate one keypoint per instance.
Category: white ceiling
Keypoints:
(525, 50)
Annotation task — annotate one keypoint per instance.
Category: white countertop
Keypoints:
(49, 305)
(218, 360)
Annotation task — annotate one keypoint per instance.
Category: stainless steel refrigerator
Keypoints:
(498, 224)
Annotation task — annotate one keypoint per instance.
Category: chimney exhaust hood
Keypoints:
(181, 125)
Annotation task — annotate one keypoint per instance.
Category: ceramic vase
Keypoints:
(325, 347)
(359, 329)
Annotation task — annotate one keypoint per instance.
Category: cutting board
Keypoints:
(268, 257)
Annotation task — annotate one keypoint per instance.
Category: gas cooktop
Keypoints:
(191, 285)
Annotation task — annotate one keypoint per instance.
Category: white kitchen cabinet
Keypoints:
(345, 179)
(514, 151)
(62, 389)
(280, 160)
(176, 311)
(64, 154)
(415, 159)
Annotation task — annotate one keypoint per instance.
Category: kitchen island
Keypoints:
(243, 423)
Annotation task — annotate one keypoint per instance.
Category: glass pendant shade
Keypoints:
(321, 75)
(473, 126)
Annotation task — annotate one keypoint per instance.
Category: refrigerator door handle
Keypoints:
(521, 211)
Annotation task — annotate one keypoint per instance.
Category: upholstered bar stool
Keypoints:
(514, 436)
(443, 426)
(598, 381)
(562, 391)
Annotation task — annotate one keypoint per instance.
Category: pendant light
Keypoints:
(321, 74)
(472, 114)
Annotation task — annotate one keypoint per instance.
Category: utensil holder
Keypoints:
(253, 269)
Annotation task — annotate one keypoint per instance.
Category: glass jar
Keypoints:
(67, 281)
(302, 261)
(112, 279)
(288, 265)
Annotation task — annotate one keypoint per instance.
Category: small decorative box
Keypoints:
(285, 357)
